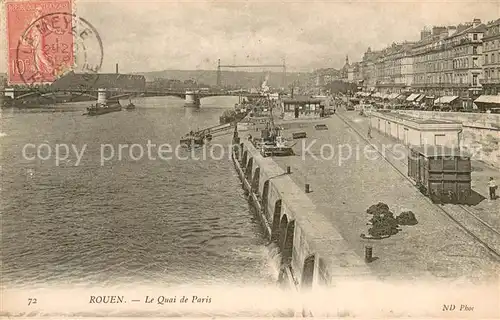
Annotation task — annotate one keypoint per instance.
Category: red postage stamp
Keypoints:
(39, 39)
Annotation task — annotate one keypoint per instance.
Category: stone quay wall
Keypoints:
(313, 252)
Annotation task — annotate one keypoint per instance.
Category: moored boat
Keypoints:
(99, 109)
(232, 116)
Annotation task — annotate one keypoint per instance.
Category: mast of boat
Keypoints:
(271, 112)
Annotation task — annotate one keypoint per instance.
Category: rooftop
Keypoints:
(400, 116)
(74, 80)
(440, 151)
(301, 99)
(493, 23)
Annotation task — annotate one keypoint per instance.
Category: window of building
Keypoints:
(474, 50)
(474, 80)
(485, 59)
(475, 63)
(474, 36)
(493, 58)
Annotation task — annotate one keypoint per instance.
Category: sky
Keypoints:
(145, 35)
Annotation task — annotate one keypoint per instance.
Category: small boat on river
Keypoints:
(99, 109)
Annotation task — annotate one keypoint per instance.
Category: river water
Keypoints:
(80, 225)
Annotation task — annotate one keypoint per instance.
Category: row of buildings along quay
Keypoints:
(462, 61)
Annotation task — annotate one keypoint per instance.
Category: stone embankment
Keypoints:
(313, 252)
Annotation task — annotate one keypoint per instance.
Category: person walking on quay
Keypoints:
(369, 132)
(493, 188)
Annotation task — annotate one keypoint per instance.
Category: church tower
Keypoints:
(345, 69)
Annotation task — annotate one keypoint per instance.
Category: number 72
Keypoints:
(31, 301)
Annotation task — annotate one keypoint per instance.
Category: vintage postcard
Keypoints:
(260, 159)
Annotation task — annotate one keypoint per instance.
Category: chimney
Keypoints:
(117, 68)
(476, 22)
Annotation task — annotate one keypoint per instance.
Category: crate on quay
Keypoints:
(442, 173)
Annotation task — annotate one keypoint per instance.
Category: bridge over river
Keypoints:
(191, 97)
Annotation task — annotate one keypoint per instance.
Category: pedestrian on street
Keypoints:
(370, 132)
(493, 188)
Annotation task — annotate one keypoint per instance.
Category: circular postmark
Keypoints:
(59, 52)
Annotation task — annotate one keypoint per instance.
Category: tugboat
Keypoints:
(272, 141)
(275, 144)
(98, 108)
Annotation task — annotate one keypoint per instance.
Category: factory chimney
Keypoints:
(117, 68)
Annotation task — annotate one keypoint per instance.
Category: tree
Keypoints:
(339, 86)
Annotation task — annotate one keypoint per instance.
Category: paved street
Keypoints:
(343, 190)
(487, 210)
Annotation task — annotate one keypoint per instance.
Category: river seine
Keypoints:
(131, 227)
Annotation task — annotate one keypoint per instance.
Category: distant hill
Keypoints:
(236, 78)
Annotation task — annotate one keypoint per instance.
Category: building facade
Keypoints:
(456, 63)
(447, 62)
(369, 69)
(491, 59)
(395, 69)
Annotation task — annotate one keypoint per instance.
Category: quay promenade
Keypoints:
(434, 248)
(481, 172)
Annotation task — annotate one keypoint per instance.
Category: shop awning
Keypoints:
(412, 97)
(420, 98)
(445, 99)
(393, 96)
(376, 95)
(488, 99)
(385, 96)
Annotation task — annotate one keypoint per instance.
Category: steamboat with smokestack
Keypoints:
(103, 105)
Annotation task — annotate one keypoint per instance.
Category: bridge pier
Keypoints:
(102, 97)
(9, 92)
(192, 99)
